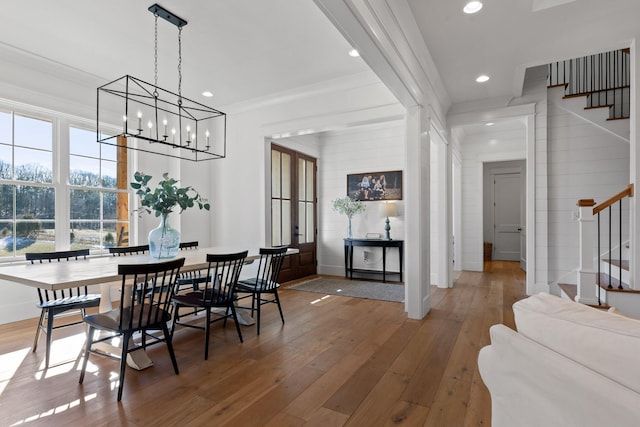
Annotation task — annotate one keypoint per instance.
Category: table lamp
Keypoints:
(388, 210)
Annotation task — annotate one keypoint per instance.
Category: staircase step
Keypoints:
(618, 263)
(603, 280)
(572, 291)
(618, 118)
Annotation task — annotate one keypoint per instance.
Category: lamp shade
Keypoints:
(388, 209)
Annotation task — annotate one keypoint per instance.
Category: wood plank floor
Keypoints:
(338, 361)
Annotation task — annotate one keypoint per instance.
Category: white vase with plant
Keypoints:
(349, 207)
(164, 241)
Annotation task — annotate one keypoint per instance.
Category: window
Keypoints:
(59, 189)
(27, 194)
(96, 197)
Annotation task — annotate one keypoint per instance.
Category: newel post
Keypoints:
(586, 271)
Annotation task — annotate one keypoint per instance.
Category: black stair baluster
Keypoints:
(620, 249)
(609, 247)
(598, 251)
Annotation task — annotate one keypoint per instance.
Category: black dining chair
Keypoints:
(128, 250)
(154, 281)
(263, 288)
(53, 303)
(189, 245)
(214, 291)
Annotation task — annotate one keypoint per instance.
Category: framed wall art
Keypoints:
(375, 186)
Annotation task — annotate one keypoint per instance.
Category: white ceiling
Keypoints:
(245, 49)
(506, 37)
(238, 49)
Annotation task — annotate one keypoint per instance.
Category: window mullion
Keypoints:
(61, 184)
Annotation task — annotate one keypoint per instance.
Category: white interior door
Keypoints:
(506, 214)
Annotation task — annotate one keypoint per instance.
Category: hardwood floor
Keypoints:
(337, 361)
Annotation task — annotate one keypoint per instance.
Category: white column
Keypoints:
(586, 272)
(417, 205)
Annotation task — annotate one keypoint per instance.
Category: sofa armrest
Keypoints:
(604, 342)
(531, 385)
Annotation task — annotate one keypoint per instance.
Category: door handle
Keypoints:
(519, 229)
(298, 234)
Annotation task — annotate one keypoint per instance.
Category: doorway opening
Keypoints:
(504, 210)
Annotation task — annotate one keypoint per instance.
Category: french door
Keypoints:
(293, 210)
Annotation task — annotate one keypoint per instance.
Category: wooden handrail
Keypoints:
(624, 193)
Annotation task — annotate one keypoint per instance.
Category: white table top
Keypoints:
(103, 269)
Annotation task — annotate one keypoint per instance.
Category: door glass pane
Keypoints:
(309, 192)
(310, 223)
(275, 173)
(276, 230)
(35, 133)
(286, 176)
(286, 222)
(33, 165)
(302, 228)
(302, 174)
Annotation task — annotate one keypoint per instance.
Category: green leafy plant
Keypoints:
(348, 206)
(167, 195)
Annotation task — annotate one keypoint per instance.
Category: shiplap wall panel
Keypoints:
(373, 148)
(583, 162)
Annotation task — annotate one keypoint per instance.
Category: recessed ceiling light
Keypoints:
(207, 94)
(482, 78)
(489, 123)
(472, 7)
(354, 53)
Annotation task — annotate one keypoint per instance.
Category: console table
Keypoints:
(378, 243)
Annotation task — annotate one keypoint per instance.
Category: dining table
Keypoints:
(103, 270)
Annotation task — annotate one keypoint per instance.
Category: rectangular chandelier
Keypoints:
(154, 118)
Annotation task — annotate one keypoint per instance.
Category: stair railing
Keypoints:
(590, 279)
(598, 212)
(605, 78)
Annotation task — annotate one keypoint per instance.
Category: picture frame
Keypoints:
(372, 186)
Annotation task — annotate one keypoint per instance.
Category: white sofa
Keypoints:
(568, 365)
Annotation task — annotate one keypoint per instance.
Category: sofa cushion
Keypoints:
(605, 342)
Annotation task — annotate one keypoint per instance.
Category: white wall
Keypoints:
(584, 162)
(373, 148)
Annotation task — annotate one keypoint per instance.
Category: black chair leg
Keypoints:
(86, 353)
(258, 298)
(235, 320)
(279, 307)
(50, 318)
(167, 339)
(40, 325)
(206, 334)
(123, 362)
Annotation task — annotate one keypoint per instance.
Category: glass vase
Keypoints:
(349, 235)
(164, 241)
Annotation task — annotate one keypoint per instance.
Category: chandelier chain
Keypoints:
(155, 56)
(180, 64)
